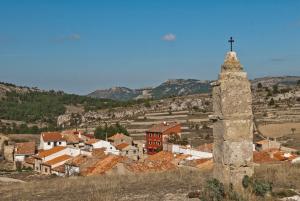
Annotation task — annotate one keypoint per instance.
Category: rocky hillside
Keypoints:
(270, 81)
(180, 87)
(169, 88)
(116, 93)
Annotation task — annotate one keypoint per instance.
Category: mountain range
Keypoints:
(181, 87)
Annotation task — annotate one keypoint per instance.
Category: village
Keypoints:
(76, 153)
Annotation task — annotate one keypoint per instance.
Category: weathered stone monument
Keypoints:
(233, 124)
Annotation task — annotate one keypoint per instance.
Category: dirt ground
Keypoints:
(279, 130)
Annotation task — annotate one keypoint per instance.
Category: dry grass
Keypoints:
(278, 130)
(171, 185)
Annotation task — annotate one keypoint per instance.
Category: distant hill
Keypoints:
(173, 87)
(181, 87)
(270, 81)
(116, 93)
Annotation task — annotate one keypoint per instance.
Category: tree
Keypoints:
(101, 132)
(298, 82)
(293, 130)
(272, 102)
(275, 89)
(259, 85)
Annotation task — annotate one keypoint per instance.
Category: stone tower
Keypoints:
(233, 124)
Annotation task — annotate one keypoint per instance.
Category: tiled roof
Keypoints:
(162, 127)
(92, 141)
(49, 152)
(206, 147)
(52, 136)
(57, 160)
(91, 136)
(71, 138)
(102, 165)
(25, 148)
(122, 146)
(117, 136)
(78, 160)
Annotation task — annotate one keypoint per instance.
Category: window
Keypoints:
(126, 152)
(49, 143)
(158, 143)
(59, 143)
(149, 134)
(46, 170)
(150, 142)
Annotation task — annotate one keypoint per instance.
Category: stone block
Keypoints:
(239, 153)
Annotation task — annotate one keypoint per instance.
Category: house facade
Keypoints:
(24, 150)
(129, 151)
(97, 144)
(48, 140)
(159, 133)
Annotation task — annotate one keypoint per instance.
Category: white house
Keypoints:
(194, 154)
(48, 140)
(23, 150)
(96, 144)
(57, 156)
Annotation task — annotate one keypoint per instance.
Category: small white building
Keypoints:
(97, 144)
(23, 150)
(194, 154)
(48, 140)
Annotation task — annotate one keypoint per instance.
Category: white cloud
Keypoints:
(169, 37)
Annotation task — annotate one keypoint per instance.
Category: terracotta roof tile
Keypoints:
(92, 141)
(122, 146)
(78, 160)
(57, 160)
(25, 148)
(117, 136)
(49, 152)
(162, 127)
(52, 136)
(71, 138)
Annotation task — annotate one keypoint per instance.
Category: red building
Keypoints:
(158, 134)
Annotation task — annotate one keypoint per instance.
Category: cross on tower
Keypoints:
(231, 41)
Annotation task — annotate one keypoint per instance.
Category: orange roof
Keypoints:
(57, 160)
(71, 138)
(117, 136)
(78, 160)
(162, 127)
(206, 147)
(52, 136)
(29, 160)
(92, 141)
(25, 148)
(122, 146)
(49, 152)
(103, 165)
(262, 142)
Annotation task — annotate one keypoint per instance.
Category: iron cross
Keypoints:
(231, 41)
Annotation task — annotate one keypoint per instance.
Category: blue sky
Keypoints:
(80, 46)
